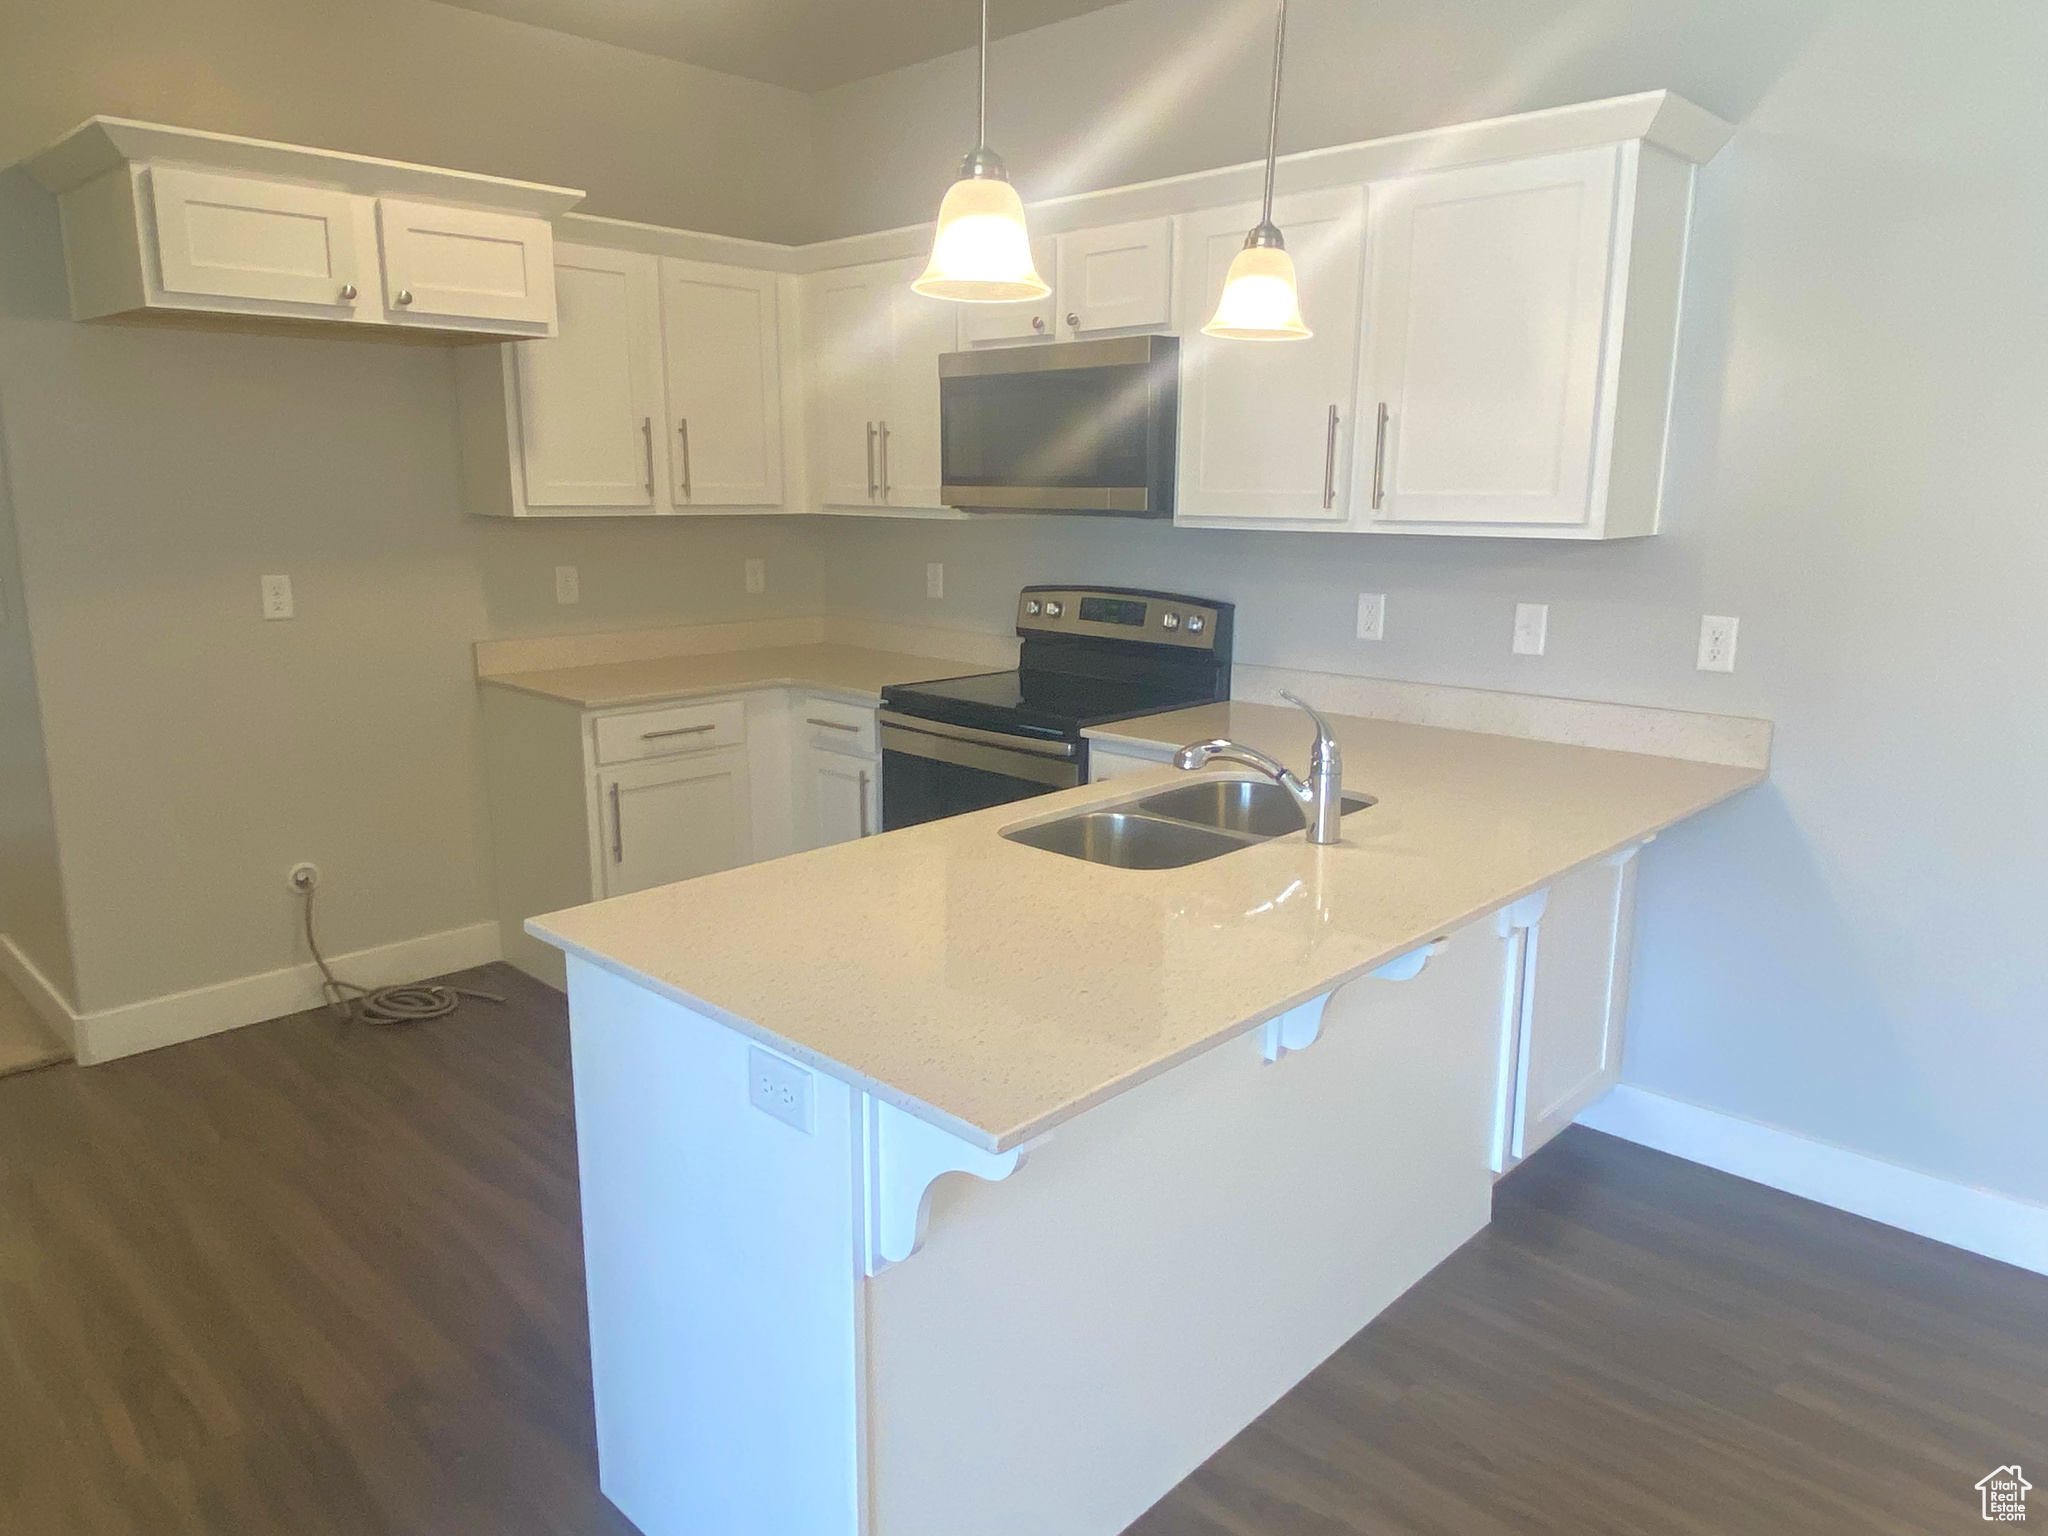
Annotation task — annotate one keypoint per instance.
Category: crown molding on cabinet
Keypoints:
(1660, 118)
(100, 144)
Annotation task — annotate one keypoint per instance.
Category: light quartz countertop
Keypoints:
(830, 668)
(997, 990)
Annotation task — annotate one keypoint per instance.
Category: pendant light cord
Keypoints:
(1272, 121)
(981, 109)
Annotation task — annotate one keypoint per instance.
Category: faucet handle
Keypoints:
(1326, 748)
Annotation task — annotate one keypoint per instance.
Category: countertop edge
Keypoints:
(1002, 1141)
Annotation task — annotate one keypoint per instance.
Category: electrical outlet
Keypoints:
(1532, 628)
(568, 584)
(935, 580)
(277, 597)
(1372, 615)
(757, 575)
(779, 1088)
(1717, 643)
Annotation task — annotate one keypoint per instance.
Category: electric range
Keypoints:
(1091, 655)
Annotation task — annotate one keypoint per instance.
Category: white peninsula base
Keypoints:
(1072, 1339)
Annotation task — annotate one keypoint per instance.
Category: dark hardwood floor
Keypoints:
(312, 1280)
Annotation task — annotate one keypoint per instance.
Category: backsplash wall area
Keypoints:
(1859, 950)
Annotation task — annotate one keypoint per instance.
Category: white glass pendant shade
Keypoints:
(981, 253)
(1260, 301)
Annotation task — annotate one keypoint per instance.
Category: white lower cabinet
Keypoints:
(845, 796)
(674, 819)
(1564, 1002)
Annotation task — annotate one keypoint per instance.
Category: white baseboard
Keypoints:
(181, 1016)
(50, 1005)
(1997, 1226)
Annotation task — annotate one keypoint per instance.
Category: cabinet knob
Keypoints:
(1038, 323)
(1073, 319)
(404, 296)
(348, 293)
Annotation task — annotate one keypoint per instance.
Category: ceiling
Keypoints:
(807, 45)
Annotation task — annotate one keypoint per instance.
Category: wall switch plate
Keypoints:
(1717, 643)
(568, 584)
(779, 1088)
(1532, 628)
(935, 580)
(1372, 615)
(757, 575)
(277, 597)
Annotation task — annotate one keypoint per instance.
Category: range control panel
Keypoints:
(1122, 613)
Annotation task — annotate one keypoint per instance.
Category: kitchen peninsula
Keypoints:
(1215, 1119)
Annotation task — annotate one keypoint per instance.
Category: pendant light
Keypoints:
(1260, 301)
(981, 253)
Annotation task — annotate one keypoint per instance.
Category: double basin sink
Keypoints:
(1176, 827)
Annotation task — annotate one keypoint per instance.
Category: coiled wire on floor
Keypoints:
(408, 1003)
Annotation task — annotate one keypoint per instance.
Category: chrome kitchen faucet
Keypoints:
(1321, 799)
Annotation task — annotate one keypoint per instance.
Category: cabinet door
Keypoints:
(1028, 320)
(921, 329)
(240, 237)
(1573, 1000)
(588, 396)
(444, 264)
(848, 347)
(674, 820)
(719, 339)
(1118, 276)
(847, 792)
(1486, 299)
(1265, 427)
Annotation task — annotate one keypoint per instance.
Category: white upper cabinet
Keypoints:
(271, 242)
(444, 265)
(921, 331)
(1026, 320)
(1119, 277)
(847, 336)
(160, 219)
(1265, 427)
(1520, 326)
(589, 398)
(873, 359)
(719, 345)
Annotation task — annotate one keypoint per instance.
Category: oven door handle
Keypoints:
(950, 732)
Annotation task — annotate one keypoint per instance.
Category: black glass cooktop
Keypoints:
(1045, 704)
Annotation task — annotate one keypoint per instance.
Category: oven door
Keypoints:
(931, 769)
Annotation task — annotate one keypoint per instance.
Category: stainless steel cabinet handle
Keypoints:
(647, 440)
(618, 829)
(885, 461)
(832, 725)
(348, 293)
(404, 296)
(681, 730)
(863, 802)
(683, 430)
(871, 461)
(1330, 461)
(1379, 459)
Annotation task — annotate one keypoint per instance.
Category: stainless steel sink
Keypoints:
(1176, 827)
(1248, 806)
(1127, 840)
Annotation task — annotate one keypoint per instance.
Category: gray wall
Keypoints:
(195, 751)
(1860, 471)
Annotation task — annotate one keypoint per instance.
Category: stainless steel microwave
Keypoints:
(1075, 426)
